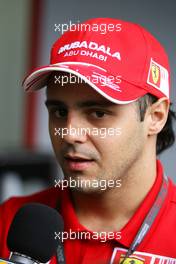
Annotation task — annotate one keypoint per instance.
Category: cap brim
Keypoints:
(111, 87)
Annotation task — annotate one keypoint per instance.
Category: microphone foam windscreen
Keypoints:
(32, 232)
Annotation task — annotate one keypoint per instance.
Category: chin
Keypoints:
(87, 190)
(84, 183)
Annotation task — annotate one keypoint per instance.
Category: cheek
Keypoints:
(107, 146)
(130, 139)
(53, 132)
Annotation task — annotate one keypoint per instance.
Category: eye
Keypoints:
(98, 114)
(59, 113)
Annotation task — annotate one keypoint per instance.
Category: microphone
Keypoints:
(31, 235)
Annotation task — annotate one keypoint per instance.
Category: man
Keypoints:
(112, 76)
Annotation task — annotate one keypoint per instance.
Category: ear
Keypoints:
(158, 113)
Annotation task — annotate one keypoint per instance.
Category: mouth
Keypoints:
(75, 162)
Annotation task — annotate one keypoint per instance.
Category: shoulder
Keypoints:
(48, 197)
(173, 196)
(164, 227)
(170, 205)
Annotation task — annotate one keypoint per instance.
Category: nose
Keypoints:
(75, 130)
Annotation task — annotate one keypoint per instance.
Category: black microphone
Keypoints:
(31, 236)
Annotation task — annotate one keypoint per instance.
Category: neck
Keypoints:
(117, 205)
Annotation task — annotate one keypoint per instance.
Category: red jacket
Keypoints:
(160, 240)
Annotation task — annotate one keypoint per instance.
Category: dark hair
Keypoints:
(166, 137)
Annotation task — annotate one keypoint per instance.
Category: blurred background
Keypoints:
(27, 30)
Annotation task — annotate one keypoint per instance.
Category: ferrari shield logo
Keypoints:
(137, 257)
(4, 262)
(158, 77)
(132, 260)
(155, 73)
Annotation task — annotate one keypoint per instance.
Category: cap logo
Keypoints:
(158, 77)
(86, 48)
(155, 73)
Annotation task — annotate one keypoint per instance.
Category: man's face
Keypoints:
(112, 144)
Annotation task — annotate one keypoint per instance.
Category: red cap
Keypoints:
(120, 60)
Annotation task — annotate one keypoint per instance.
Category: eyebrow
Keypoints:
(84, 104)
(54, 103)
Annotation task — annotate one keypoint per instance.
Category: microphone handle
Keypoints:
(22, 259)
(60, 254)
